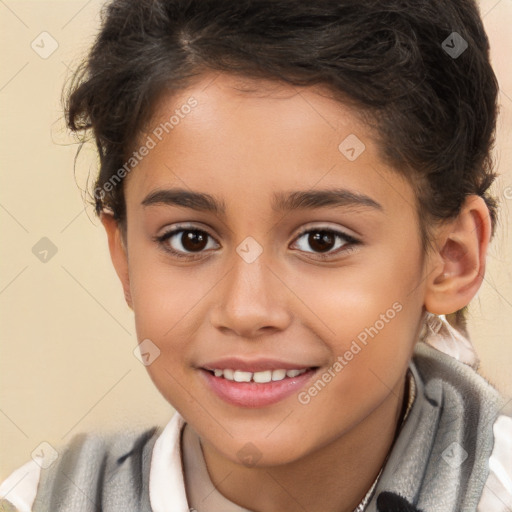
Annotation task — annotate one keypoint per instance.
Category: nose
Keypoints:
(252, 300)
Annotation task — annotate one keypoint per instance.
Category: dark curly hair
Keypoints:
(434, 111)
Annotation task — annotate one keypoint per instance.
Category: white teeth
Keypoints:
(294, 373)
(278, 374)
(262, 377)
(259, 377)
(228, 374)
(241, 376)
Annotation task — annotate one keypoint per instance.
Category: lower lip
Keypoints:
(253, 394)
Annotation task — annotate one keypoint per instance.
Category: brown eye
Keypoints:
(321, 241)
(325, 241)
(193, 240)
(184, 242)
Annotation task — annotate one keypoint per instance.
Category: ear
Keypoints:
(457, 266)
(118, 252)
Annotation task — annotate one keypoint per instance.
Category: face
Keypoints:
(311, 260)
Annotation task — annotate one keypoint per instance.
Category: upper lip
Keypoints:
(255, 365)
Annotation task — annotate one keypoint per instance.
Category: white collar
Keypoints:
(166, 479)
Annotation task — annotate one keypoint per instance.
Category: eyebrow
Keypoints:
(281, 202)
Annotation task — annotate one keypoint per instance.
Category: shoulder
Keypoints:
(90, 457)
(479, 419)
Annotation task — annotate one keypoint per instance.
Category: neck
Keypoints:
(334, 478)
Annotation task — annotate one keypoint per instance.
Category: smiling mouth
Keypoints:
(261, 377)
(256, 389)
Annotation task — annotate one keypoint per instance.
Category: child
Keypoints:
(331, 161)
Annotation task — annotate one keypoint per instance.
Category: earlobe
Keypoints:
(457, 266)
(118, 252)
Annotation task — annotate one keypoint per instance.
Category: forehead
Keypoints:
(237, 138)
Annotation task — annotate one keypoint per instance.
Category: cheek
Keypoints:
(342, 303)
(368, 318)
(164, 295)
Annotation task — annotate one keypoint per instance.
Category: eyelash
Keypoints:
(351, 241)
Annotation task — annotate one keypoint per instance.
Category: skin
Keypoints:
(244, 141)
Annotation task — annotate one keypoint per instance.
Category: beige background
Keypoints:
(67, 342)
